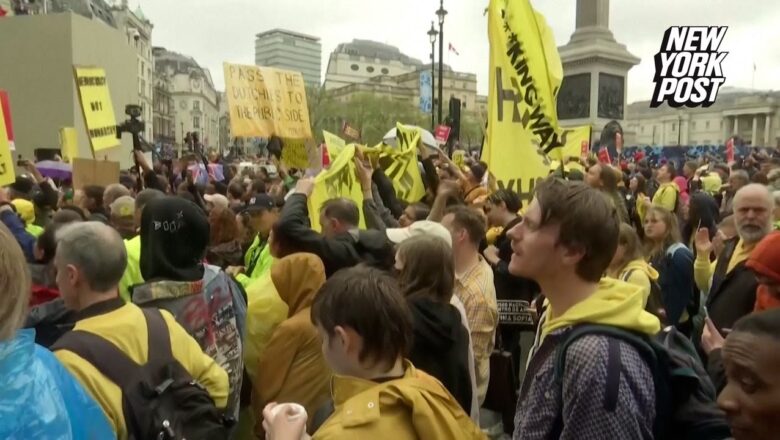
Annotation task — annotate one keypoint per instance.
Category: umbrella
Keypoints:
(54, 170)
(427, 137)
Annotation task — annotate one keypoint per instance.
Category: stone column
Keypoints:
(754, 133)
(767, 129)
(736, 125)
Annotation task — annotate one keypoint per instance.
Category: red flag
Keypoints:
(604, 155)
(325, 157)
(730, 150)
(452, 49)
(9, 126)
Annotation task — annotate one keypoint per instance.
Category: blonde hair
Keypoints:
(672, 235)
(14, 285)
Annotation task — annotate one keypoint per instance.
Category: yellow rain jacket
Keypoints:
(666, 196)
(639, 273)
(416, 406)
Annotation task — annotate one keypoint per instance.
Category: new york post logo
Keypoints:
(689, 68)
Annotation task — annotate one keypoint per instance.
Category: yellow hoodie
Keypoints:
(615, 303)
(666, 196)
(639, 273)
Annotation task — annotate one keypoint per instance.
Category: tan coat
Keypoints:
(292, 367)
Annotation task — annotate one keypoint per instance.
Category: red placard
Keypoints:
(9, 127)
(325, 157)
(619, 143)
(730, 150)
(442, 133)
(604, 155)
(584, 149)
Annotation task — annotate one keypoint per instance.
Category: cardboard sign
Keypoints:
(7, 172)
(9, 126)
(94, 172)
(350, 132)
(442, 133)
(69, 147)
(96, 107)
(264, 102)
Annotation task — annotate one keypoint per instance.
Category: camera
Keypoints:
(133, 125)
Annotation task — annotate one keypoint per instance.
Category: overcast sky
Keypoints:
(216, 31)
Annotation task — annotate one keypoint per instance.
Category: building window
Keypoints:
(693, 125)
(196, 105)
(354, 67)
(674, 126)
(643, 129)
(370, 69)
(143, 87)
(707, 124)
(385, 71)
(196, 122)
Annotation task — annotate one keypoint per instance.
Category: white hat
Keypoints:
(422, 227)
(218, 200)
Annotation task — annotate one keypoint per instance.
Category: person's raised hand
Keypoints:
(491, 254)
(364, 170)
(305, 186)
(283, 426)
(702, 241)
(711, 339)
(448, 188)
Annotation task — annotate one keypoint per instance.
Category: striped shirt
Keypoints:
(475, 289)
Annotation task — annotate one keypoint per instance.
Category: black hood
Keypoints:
(436, 325)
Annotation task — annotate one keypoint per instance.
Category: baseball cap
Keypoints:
(218, 200)
(123, 207)
(422, 227)
(260, 202)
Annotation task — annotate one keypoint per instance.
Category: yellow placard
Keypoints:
(459, 158)
(340, 180)
(96, 107)
(264, 102)
(7, 173)
(334, 144)
(525, 75)
(576, 143)
(69, 146)
(400, 164)
(295, 154)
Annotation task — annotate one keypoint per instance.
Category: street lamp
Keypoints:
(432, 36)
(441, 13)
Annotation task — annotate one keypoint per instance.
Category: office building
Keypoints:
(358, 61)
(289, 50)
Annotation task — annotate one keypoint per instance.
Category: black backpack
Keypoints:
(160, 399)
(685, 397)
(655, 302)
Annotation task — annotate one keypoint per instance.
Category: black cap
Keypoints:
(260, 202)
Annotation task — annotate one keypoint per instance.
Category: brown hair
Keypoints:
(469, 219)
(587, 219)
(369, 302)
(673, 235)
(428, 268)
(14, 285)
(224, 228)
(632, 246)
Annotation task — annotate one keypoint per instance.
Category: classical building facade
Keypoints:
(137, 29)
(195, 100)
(751, 115)
(163, 114)
(361, 60)
(289, 50)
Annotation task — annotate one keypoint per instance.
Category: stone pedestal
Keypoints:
(595, 67)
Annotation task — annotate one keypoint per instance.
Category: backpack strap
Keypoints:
(158, 339)
(627, 275)
(106, 357)
(612, 387)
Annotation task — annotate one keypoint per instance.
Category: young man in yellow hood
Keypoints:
(565, 243)
(365, 326)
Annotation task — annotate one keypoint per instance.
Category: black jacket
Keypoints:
(345, 250)
(50, 321)
(733, 294)
(441, 346)
(514, 294)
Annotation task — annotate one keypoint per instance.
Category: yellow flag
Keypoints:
(576, 143)
(340, 180)
(69, 146)
(7, 173)
(400, 164)
(334, 144)
(525, 75)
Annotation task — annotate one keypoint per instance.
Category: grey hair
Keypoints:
(96, 250)
(741, 174)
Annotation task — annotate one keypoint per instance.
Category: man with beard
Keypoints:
(730, 285)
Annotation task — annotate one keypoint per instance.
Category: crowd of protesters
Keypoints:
(169, 305)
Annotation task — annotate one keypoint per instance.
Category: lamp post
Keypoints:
(441, 13)
(432, 36)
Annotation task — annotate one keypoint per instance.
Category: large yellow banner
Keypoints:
(576, 143)
(7, 173)
(525, 75)
(264, 101)
(340, 180)
(334, 144)
(96, 106)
